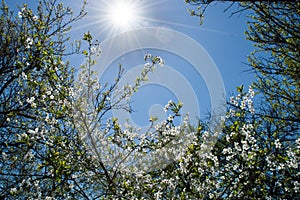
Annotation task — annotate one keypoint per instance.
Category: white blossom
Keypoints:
(13, 190)
(24, 76)
(96, 50)
(170, 118)
(161, 62)
(147, 56)
(29, 43)
(277, 144)
(35, 18)
(30, 100)
(4, 155)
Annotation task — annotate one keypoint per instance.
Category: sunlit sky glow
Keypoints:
(122, 14)
(221, 36)
(116, 16)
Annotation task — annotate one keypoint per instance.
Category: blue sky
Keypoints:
(220, 36)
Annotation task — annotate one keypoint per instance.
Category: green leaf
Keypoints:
(153, 119)
(87, 37)
(85, 52)
(240, 88)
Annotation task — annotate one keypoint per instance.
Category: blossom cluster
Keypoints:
(231, 169)
(155, 59)
(27, 13)
(244, 101)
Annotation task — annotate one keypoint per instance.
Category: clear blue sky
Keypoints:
(222, 37)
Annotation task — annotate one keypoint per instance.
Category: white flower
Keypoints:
(4, 156)
(33, 105)
(24, 76)
(166, 108)
(30, 100)
(232, 112)
(158, 195)
(245, 145)
(147, 56)
(237, 147)
(243, 104)
(93, 50)
(48, 92)
(36, 183)
(96, 50)
(277, 144)
(30, 131)
(35, 18)
(169, 104)
(298, 142)
(29, 42)
(232, 101)
(147, 66)
(170, 118)
(13, 190)
(20, 14)
(227, 138)
(161, 62)
(251, 92)
(52, 97)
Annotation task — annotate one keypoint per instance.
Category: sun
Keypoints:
(123, 14)
(112, 17)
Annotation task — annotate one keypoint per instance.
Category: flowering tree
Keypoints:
(248, 161)
(111, 147)
(257, 153)
(273, 27)
(37, 143)
(58, 139)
